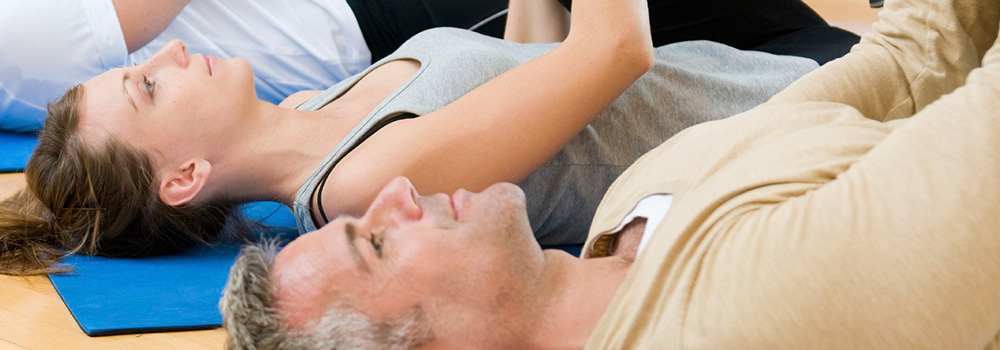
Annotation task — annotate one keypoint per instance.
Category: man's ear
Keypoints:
(181, 185)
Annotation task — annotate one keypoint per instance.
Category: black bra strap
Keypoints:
(322, 181)
(319, 197)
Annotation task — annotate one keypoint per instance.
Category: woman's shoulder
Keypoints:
(298, 98)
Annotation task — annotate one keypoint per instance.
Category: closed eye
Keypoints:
(377, 245)
(150, 85)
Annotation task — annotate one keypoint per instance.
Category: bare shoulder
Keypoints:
(298, 98)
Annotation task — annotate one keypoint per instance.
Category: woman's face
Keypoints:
(174, 105)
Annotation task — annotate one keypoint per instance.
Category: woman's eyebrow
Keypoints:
(125, 91)
(350, 233)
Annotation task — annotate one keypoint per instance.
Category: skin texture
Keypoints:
(536, 21)
(460, 258)
(470, 263)
(156, 107)
(468, 260)
(163, 114)
(210, 137)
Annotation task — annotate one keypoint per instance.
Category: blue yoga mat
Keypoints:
(15, 149)
(166, 293)
(170, 293)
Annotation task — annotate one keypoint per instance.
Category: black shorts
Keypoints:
(387, 24)
(786, 27)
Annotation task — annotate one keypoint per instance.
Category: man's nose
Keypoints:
(396, 201)
(174, 53)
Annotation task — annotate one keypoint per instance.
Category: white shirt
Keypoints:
(653, 208)
(47, 46)
(292, 45)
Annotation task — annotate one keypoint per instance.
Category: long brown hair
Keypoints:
(93, 199)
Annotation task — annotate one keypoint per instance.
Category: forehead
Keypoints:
(310, 270)
(320, 251)
(104, 107)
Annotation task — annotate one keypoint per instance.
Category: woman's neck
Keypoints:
(278, 148)
(274, 152)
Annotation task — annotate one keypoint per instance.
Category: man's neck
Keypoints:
(579, 292)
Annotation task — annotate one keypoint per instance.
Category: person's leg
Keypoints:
(777, 26)
(387, 24)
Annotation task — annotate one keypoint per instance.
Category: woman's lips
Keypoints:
(209, 61)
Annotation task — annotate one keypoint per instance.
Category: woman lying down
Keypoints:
(153, 158)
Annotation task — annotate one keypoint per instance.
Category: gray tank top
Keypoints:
(690, 83)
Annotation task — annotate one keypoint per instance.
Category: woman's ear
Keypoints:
(182, 184)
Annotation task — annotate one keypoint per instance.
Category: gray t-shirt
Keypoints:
(690, 83)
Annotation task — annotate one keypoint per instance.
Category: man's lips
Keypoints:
(458, 200)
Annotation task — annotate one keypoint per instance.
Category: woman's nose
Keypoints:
(174, 52)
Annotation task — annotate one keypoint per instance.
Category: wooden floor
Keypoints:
(853, 15)
(33, 317)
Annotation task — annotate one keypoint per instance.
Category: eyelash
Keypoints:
(150, 86)
(376, 242)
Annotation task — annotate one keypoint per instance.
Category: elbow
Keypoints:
(634, 46)
(645, 57)
(637, 54)
(626, 52)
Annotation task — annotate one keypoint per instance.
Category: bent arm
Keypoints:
(508, 127)
(909, 232)
(143, 20)
(536, 21)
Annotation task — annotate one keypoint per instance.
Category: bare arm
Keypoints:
(143, 20)
(507, 128)
(536, 21)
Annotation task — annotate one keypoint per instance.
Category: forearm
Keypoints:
(143, 20)
(526, 115)
(600, 26)
(536, 21)
(901, 52)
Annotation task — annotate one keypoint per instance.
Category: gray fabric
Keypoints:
(690, 83)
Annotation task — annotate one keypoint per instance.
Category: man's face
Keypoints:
(461, 259)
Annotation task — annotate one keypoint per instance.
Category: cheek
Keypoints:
(192, 104)
(426, 262)
(395, 292)
(196, 118)
(459, 267)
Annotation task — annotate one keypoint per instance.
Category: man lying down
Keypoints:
(855, 210)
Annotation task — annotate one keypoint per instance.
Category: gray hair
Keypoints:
(253, 321)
